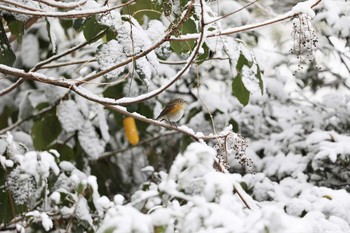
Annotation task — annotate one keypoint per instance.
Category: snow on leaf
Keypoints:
(232, 49)
(135, 40)
(30, 50)
(126, 219)
(112, 19)
(102, 122)
(69, 116)
(89, 141)
(249, 79)
(46, 163)
(46, 221)
(67, 166)
(109, 54)
(83, 211)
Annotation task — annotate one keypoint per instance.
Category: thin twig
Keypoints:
(39, 113)
(234, 30)
(75, 14)
(79, 46)
(145, 141)
(12, 87)
(232, 13)
(69, 63)
(145, 52)
(62, 5)
(21, 5)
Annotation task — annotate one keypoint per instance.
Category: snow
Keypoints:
(90, 141)
(304, 8)
(45, 219)
(67, 166)
(82, 210)
(55, 197)
(30, 50)
(110, 54)
(297, 139)
(118, 199)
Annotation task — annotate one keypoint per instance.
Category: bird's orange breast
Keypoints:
(176, 108)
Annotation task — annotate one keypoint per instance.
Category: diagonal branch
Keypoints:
(165, 38)
(248, 27)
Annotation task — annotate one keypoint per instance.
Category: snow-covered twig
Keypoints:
(21, 5)
(247, 27)
(165, 38)
(62, 5)
(12, 87)
(232, 13)
(71, 14)
(57, 56)
(69, 63)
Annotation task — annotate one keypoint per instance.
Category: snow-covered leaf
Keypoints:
(90, 141)
(69, 116)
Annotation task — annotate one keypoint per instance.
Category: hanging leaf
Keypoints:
(131, 131)
(239, 90)
(248, 79)
(204, 55)
(7, 56)
(45, 131)
(91, 28)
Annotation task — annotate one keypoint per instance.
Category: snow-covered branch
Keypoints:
(305, 7)
(63, 5)
(69, 14)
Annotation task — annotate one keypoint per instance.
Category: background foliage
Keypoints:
(269, 107)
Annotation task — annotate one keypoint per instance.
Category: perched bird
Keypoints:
(173, 111)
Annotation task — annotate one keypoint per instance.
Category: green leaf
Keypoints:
(235, 125)
(7, 56)
(91, 28)
(239, 90)
(261, 81)
(186, 140)
(143, 9)
(45, 131)
(188, 27)
(201, 58)
(110, 35)
(78, 24)
(115, 91)
(5, 203)
(66, 153)
(17, 28)
(242, 60)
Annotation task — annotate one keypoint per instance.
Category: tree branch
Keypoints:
(234, 30)
(75, 14)
(143, 53)
(62, 5)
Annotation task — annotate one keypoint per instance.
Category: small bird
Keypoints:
(173, 111)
